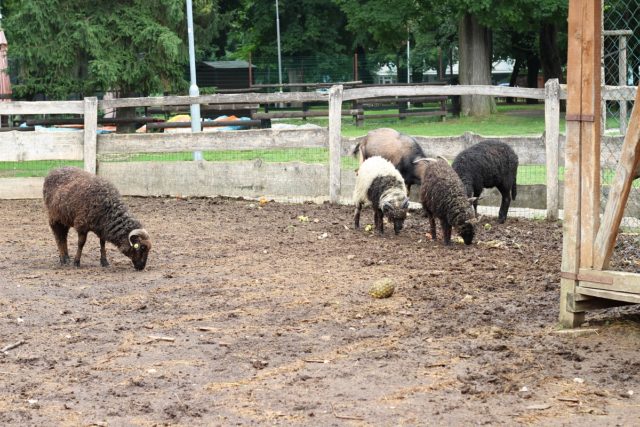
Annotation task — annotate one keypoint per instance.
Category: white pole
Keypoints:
(408, 59)
(408, 63)
(279, 55)
(196, 126)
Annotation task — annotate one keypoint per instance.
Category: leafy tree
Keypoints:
(474, 21)
(308, 28)
(81, 47)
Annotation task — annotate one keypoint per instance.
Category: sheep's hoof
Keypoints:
(76, 263)
(104, 262)
(501, 220)
(64, 260)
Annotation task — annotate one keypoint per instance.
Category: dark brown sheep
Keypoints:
(443, 196)
(400, 149)
(79, 199)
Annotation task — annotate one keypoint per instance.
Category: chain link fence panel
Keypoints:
(621, 67)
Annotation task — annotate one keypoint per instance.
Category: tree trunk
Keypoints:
(127, 112)
(513, 80)
(549, 53)
(475, 65)
(533, 68)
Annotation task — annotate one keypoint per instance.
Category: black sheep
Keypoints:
(489, 164)
(400, 149)
(79, 199)
(443, 196)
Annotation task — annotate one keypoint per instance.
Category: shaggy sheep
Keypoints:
(401, 150)
(380, 184)
(489, 164)
(443, 196)
(79, 199)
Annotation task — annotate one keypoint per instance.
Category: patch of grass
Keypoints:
(518, 119)
(33, 168)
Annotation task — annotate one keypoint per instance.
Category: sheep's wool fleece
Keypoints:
(369, 170)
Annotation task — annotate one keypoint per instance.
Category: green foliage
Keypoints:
(307, 27)
(81, 47)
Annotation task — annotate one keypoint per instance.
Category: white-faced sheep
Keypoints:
(489, 164)
(380, 184)
(79, 199)
(400, 149)
(443, 196)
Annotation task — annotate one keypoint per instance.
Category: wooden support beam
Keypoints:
(632, 298)
(577, 303)
(572, 203)
(590, 133)
(619, 193)
(620, 281)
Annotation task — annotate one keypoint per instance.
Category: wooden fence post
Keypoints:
(90, 137)
(335, 141)
(551, 137)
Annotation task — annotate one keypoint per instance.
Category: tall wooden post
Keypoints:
(335, 141)
(582, 158)
(551, 140)
(90, 137)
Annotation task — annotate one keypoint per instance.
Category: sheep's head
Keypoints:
(467, 229)
(139, 247)
(395, 210)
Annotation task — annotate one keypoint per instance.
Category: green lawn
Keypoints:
(519, 119)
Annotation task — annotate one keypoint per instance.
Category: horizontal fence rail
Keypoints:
(335, 184)
(41, 107)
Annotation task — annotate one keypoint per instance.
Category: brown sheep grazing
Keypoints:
(443, 196)
(79, 199)
(400, 149)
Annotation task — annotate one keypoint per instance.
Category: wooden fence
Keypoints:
(249, 178)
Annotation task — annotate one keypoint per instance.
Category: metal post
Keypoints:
(408, 60)
(622, 80)
(196, 125)
(279, 55)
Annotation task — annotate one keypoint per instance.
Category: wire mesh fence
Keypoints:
(621, 64)
(377, 68)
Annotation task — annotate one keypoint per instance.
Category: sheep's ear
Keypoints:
(472, 199)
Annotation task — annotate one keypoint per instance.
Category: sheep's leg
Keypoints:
(356, 215)
(504, 205)
(425, 211)
(446, 231)
(82, 239)
(475, 202)
(432, 223)
(378, 221)
(103, 253)
(60, 233)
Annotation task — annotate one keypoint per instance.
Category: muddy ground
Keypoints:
(250, 314)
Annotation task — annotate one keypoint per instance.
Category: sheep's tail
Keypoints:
(514, 189)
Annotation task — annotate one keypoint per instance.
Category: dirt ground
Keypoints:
(250, 314)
